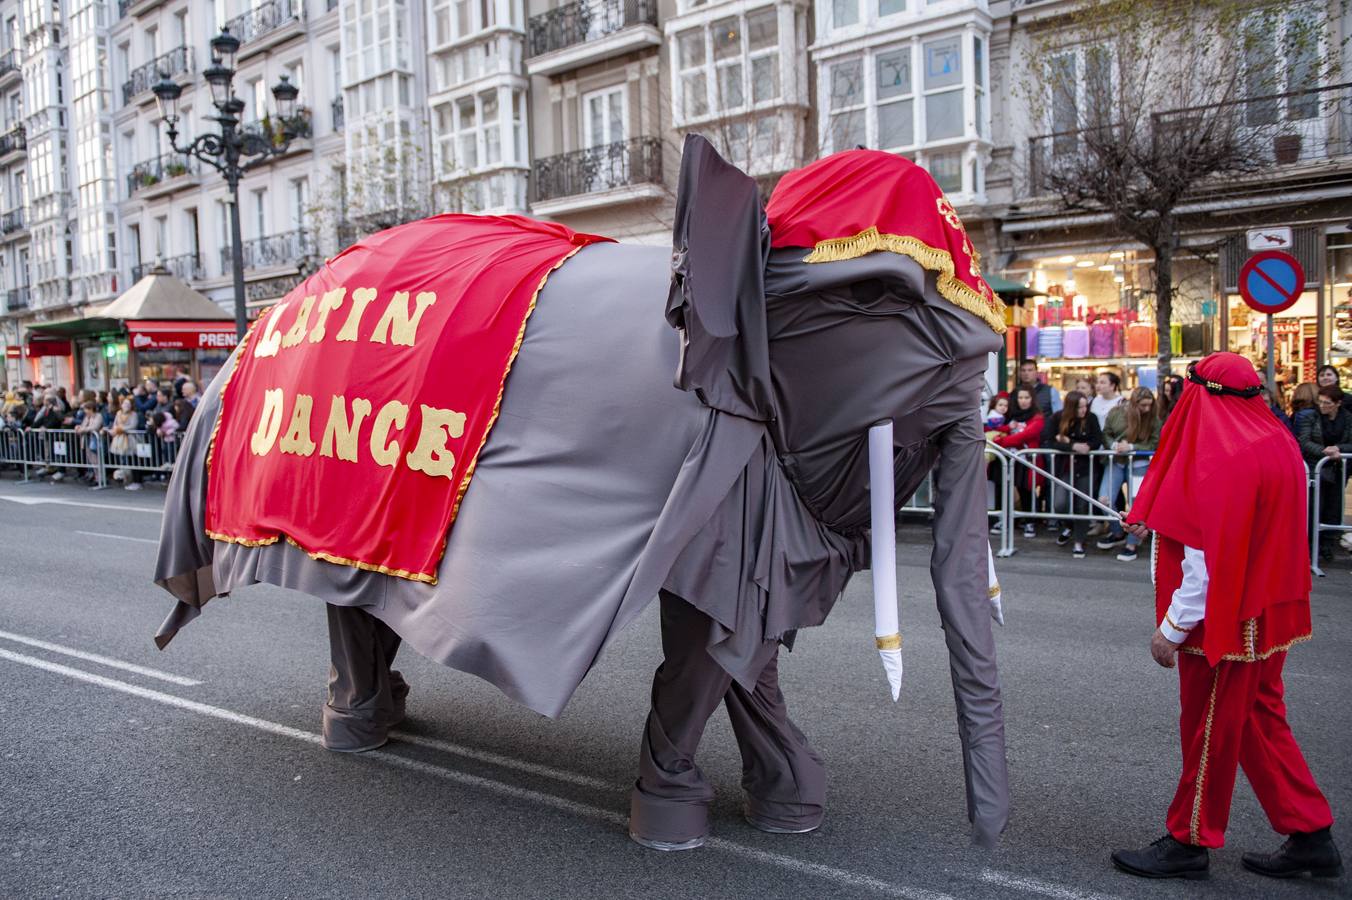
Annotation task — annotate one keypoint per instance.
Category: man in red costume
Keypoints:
(1225, 496)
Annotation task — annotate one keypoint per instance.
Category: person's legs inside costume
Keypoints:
(366, 699)
(784, 779)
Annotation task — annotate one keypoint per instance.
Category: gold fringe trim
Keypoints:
(993, 592)
(1194, 824)
(950, 287)
(888, 641)
(464, 482)
(220, 414)
(502, 389)
(1251, 653)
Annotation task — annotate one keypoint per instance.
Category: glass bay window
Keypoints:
(923, 96)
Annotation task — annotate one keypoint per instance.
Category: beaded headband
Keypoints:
(1215, 387)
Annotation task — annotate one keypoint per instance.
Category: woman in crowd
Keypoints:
(1133, 432)
(89, 431)
(1327, 376)
(122, 444)
(1025, 433)
(1170, 394)
(1074, 432)
(1328, 435)
(1304, 403)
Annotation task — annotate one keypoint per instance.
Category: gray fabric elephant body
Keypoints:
(740, 494)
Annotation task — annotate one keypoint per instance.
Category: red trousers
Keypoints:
(1232, 716)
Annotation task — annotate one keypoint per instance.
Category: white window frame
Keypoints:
(606, 94)
(974, 141)
(783, 49)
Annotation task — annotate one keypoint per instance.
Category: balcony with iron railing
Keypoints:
(18, 298)
(266, 25)
(12, 222)
(185, 267)
(176, 62)
(9, 65)
(1266, 136)
(583, 32)
(597, 176)
(285, 249)
(161, 175)
(13, 142)
(276, 130)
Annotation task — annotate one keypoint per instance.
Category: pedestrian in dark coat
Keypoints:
(1075, 432)
(1328, 436)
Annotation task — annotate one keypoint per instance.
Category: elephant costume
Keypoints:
(739, 494)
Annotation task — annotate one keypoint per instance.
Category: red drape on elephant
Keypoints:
(353, 419)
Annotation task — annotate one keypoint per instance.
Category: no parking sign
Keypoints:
(1271, 281)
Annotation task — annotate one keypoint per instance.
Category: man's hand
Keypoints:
(1080, 447)
(1137, 529)
(1164, 650)
(1332, 452)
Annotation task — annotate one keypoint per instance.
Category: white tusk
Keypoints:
(883, 510)
(993, 584)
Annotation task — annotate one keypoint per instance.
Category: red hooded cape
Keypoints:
(1228, 480)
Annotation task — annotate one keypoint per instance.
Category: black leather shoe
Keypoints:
(1166, 858)
(1312, 853)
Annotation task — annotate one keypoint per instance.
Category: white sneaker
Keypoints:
(1346, 541)
(134, 486)
(59, 476)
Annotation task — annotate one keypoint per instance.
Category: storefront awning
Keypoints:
(150, 334)
(13, 351)
(42, 345)
(1007, 288)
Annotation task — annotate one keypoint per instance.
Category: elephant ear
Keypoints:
(720, 245)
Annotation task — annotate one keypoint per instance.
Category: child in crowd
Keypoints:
(997, 414)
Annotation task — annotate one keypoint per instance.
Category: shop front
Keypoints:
(1092, 311)
(159, 329)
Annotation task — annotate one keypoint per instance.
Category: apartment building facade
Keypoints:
(575, 112)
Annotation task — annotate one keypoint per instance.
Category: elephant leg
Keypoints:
(669, 806)
(959, 570)
(366, 699)
(784, 779)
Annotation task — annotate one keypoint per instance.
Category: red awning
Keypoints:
(168, 335)
(41, 345)
(13, 351)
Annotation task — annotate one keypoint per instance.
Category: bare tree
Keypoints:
(1150, 104)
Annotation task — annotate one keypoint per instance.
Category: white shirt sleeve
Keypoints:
(1189, 603)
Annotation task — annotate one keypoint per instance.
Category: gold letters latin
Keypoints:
(396, 326)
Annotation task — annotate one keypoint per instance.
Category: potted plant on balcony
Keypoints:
(175, 168)
(1286, 148)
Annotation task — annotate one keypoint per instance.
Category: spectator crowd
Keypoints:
(1100, 440)
(131, 431)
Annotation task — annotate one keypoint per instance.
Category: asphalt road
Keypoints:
(199, 774)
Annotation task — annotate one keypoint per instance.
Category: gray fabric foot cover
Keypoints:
(366, 698)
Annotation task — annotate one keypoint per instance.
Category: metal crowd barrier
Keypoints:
(37, 453)
(44, 451)
(1318, 527)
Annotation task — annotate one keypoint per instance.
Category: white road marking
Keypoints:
(507, 762)
(1036, 886)
(101, 660)
(828, 873)
(55, 501)
(119, 537)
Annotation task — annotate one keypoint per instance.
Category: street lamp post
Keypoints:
(233, 151)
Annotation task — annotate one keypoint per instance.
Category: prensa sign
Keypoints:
(145, 335)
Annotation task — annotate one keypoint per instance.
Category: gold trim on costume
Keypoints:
(951, 288)
(225, 385)
(1175, 626)
(1201, 767)
(888, 642)
(994, 591)
(1251, 653)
